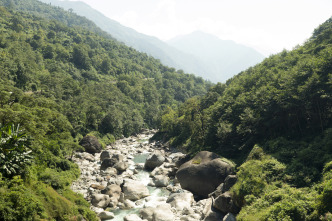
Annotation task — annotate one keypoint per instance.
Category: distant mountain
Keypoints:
(221, 58)
(198, 53)
(151, 45)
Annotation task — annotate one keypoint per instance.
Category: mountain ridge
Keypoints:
(220, 56)
(165, 52)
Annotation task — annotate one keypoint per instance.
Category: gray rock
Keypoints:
(113, 191)
(204, 173)
(105, 155)
(134, 190)
(160, 181)
(163, 213)
(147, 213)
(229, 217)
(109, 171)
(110, 162)
(91, 144)
(214, 216)
(218, 191)
(181, 201)
(106, 215)
(132, 217)
(100, 200)
(229, 182)
(154, 160)
(121, 166)
(225, 204)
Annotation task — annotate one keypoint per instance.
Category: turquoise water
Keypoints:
(140, 158)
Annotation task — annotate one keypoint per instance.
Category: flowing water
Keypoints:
(156, 194)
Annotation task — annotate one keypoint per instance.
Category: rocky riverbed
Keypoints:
(134, 179)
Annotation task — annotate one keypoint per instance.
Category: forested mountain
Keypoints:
(199, 53)
(167, 54)
(59, 83)
(284, 107)
(222, 58)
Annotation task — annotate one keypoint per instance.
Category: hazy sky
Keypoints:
(267, 25)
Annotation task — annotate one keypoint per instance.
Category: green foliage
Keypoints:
(259, 171)
(262, 191)
(62, 78)
(324, 204)
(19, 203)
(15, 155)
(284, 103)
(281, 203)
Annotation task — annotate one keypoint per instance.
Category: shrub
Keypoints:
(14, 150)
(256, 174)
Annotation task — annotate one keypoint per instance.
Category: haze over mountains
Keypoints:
(199, 53)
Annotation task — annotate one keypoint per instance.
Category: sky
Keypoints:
(269, 26)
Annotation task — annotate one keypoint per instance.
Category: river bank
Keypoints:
(134, 179)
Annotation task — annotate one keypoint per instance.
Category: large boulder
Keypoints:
(91, 144)
(154, 160)
(204, 173)
(134, 190)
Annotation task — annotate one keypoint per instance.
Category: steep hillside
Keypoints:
(283, 105)
(222, 58)
(59, 83)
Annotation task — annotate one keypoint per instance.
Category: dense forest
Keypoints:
(276, 117)
(61, 78)
(59, 82)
